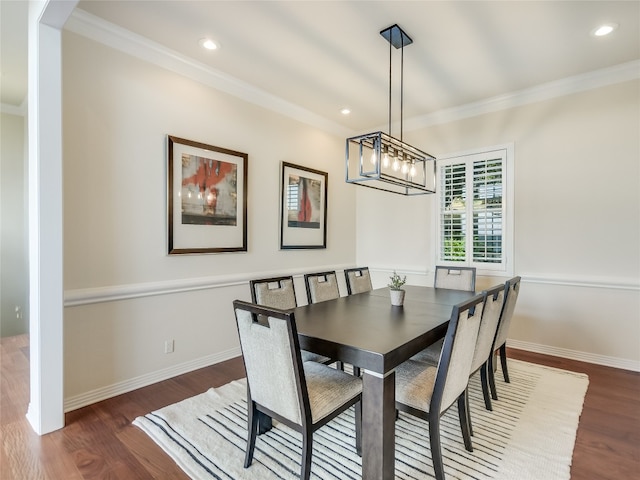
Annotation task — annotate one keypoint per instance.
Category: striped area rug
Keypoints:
(529, 435)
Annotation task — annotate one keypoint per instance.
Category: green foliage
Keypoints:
(454, 249)
(396, 281)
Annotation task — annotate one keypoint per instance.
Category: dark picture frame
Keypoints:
(206, 198)
(303, 207)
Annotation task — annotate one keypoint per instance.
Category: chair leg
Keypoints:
(307, 450)
(463, 415)
(434, 442)
(252, 425)
(492, 376)
(485, 386)
(468, 405)
(359, 428)
(356, 371)
(340, 365)
(503, 361)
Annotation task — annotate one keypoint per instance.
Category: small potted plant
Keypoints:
(395, 289)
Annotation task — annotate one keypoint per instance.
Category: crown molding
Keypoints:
(106, 33)
(101, 31)
(559, 88)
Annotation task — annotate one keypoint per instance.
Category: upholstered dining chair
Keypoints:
(321, 286)
(302, 395)
(427, 391)
(358, 280)
(484, 346)
(279, 292)
(455, 278)
(452, 278)
(511, 291)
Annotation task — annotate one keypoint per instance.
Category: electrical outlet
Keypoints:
(168, 346)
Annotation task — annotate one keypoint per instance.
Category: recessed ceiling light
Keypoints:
(345, 111)
(208, 44)
(604, 29)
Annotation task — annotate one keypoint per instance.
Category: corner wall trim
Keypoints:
(615, 362)
(103, 393)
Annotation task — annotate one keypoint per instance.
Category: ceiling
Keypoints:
(326, 55)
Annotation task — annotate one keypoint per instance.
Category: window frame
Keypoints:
(506, 266)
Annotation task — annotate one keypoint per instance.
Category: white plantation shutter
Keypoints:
(487, 210)
(472, 225)
(453, 214)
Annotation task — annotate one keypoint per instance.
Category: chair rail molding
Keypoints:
(619, 283)
(111, 293)
(583, 281)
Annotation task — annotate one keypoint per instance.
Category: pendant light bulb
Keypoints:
(385, 158)
(396, 164)
(412, 170)
(405, 167)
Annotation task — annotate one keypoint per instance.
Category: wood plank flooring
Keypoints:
(99, 441)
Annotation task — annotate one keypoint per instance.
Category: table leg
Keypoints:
(378, 426)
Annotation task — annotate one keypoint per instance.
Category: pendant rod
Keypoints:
(401, 90)
(389, 88)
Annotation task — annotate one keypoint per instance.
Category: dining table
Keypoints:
(366, 331)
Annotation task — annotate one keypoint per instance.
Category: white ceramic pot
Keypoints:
(397, 297)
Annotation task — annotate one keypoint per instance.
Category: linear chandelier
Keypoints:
(380, 161)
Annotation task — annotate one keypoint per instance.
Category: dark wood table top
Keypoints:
(365, 330)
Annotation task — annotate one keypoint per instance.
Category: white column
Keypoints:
(46, 292)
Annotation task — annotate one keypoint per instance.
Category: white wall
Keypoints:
(13, 232)
(124, 296)
(577, 220)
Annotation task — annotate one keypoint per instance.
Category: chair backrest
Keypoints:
(511, 291)
(321, 286)
(455, 278)
(488, 326)
(275, 292)
(271, 353)
(452, 376)
(358, 280)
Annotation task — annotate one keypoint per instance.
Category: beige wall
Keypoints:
(117, 113)
(14, 284)
(577, 219)
(577, 226)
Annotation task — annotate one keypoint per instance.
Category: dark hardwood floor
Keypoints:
(99, 441)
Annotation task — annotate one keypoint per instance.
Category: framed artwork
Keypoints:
(207, 198)
(303, 208)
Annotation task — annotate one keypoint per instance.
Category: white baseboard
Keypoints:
(103, 393)
(97, 395)
(623, 363)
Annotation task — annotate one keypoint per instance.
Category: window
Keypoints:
(474, 209)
